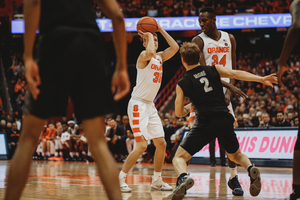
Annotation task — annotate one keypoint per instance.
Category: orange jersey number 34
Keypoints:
(216, 60)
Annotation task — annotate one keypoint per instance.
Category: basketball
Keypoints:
(147, 24)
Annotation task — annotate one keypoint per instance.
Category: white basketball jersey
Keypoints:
(148, 80)
(217, 52)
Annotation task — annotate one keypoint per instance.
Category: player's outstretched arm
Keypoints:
(32, 10)
(180, 109)
(120, 81)
(246, 76)
(174, 47)
(290, 40)
(150, 48)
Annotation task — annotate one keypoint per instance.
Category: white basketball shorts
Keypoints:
(144, 119)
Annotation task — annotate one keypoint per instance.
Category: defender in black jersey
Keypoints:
(70, 63)
(202, 85)
(289, 43)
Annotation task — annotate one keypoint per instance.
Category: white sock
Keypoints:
(43, 154)
(233, 172)
(48, 154)
(71, 154)
(89, 153)
(83, 153)
(61, 153)
(77, 154)
(122, 174)
(157, 175)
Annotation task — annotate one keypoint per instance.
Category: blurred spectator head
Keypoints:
(112, 122)
(166, 121)
(255, 121)
(290, 108)
(125, 120)
(280, 116)
(296, 121)
(64, 126)
(265, 118)
(118, 119)
(71, 123)
(14, 126)
(51, 126)
(8, 125)
(246, 118)
(3, 123)
(240, 121)
(58, 126)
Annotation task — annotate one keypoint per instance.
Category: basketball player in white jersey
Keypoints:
(218, 48)
(144, 120)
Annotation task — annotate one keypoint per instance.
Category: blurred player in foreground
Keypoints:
(70, 49)
(289, 43)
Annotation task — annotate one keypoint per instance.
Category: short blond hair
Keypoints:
(190, 53)
(154, 35)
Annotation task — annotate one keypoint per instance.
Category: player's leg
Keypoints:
(157, 134)
(180, 160)
(17, 176)
(194, 141)
(233, 181)
(94, 129)
(131, 159)
(212, 157)
(296, 172)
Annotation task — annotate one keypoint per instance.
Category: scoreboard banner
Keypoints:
(191, 23)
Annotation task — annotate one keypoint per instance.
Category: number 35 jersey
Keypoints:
(217, 52)
(148, 80)
(202, 85)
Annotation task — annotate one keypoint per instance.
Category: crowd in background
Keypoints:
(171, 8)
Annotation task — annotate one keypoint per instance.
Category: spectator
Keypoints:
(65, 141)
(265, 122)
(13, 135)
(255, 121)
(281, 122)
(247, 121)
(72, 127)
(3, 126)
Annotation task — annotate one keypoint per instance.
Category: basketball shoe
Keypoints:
(236, 187)
(184, 182)
(123, 185)
(255, 179)
(160, 185)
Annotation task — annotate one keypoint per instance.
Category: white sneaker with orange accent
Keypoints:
(160, 185)
(123, 185)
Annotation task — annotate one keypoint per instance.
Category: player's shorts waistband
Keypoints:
(142, 100)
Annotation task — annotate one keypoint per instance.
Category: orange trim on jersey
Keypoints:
(137, 138)
(136, 114)
(135, 122)
(136, 130)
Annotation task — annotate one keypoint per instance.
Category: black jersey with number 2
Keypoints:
(202, 85)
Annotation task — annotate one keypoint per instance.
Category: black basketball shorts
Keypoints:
(71, 64)
(217, 125)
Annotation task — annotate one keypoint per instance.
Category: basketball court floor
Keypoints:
(75, 180)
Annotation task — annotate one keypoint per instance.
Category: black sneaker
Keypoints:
(236, 187)
(255, 179)
(182, 185)
(292, 197)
